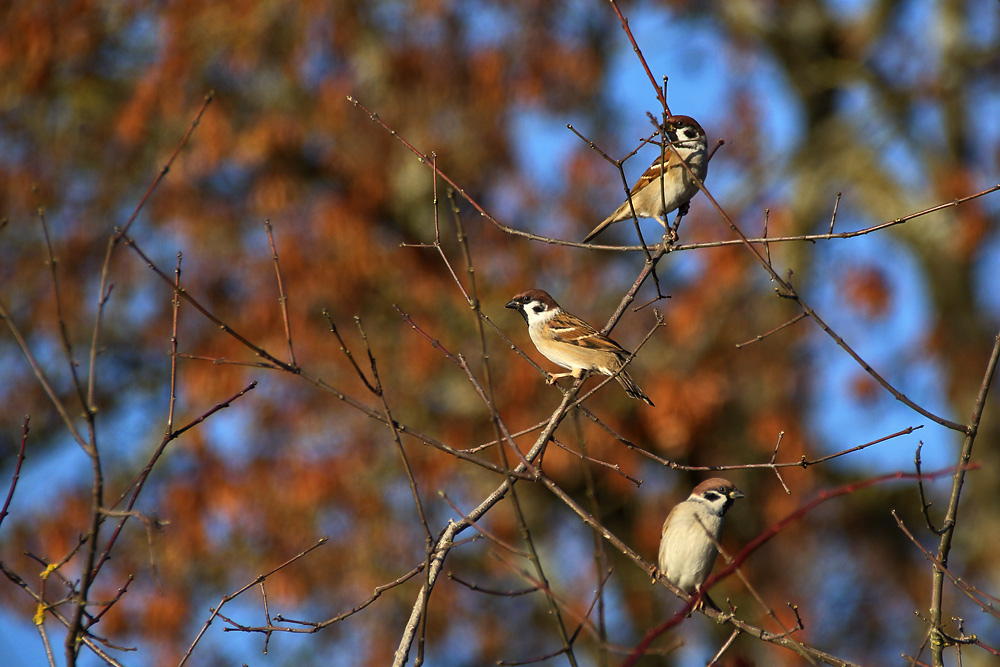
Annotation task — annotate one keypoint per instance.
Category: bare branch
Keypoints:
(227, 598)
(939, 640)
(282, 296)
(17, 469)
(635, 47)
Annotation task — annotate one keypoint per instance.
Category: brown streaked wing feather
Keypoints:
(571, 330)
(567, 328)
(599, 342)
(651, 174)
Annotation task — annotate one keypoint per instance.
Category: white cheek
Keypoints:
(538, 319)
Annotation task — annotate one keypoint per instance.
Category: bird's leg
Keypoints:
(669, 235)
(705, 602)
(682, 210)
(555, 376)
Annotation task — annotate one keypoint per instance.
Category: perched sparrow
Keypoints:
(655, 195)
(690, 533)
(570, 342)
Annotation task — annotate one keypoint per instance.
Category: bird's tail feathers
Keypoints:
(614, 217)
(631, 388)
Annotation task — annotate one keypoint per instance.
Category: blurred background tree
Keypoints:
(893, 104)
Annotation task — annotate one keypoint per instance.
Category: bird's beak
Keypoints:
(513, 304)
(735, 494)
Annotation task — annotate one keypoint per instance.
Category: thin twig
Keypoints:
(764, 240)
(786, 632)
(166, 167)
(803, 462)
(833, 218)
(309, 627)
(43, 380)
(282, 296)
(757, 339)
(111, 603)
(614, 467)
(774, 457)
(725, 647)
(17, 469)
(635, 47)
(973, 594)
(175, 311)
(481, 391)
(493, 538)
(85, 638)
(183, 293)
(267, 615)
(600, 554)
(137, 484)
(395, 436)
(231, 596)
(63, 332)
(488, 591)
(924, 505)
(347, 351)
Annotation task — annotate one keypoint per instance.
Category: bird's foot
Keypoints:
(552, 377)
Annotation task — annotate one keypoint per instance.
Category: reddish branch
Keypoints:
(17, 469)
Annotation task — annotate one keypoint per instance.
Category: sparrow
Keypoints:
(655, 194)
(690, 533)
(568, 341)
